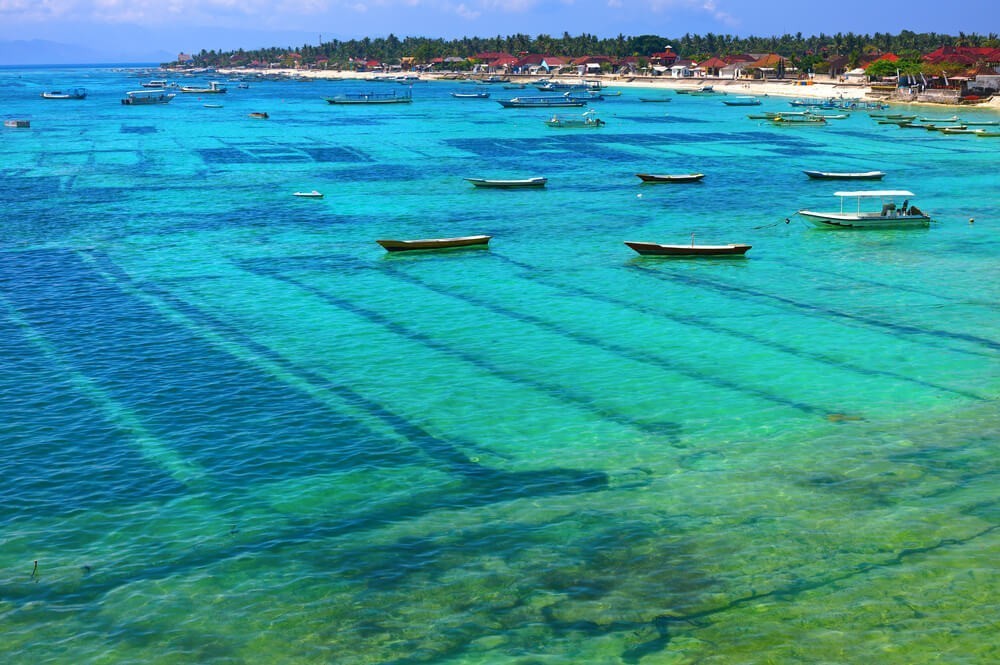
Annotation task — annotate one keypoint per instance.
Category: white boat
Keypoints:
(858, 175)
(588, 120)
(508, 184)
(309, 195)
(741, 101)
(434, 243)
(147, 97)
(214, 88)
(887, 216)
(75, 93)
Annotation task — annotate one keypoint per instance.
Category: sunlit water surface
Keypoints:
(235, 430)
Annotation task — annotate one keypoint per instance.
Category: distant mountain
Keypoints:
(43, 52)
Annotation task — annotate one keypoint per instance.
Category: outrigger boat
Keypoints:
(309, 195)
(541, 102)
(862, 175)
(470, 95)
(890, 216)
(741, 101)
(508, 184)
(676, 178)
(692, 250)
(434, 243)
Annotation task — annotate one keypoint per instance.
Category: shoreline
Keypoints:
(791, 89)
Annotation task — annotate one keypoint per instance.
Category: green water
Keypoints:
(237, 431)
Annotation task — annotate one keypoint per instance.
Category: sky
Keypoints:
(126, 30)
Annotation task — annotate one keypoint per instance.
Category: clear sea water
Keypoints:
(234, 430)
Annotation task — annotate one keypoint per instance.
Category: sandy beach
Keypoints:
(818, 89)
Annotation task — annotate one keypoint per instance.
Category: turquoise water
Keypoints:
(236, 431)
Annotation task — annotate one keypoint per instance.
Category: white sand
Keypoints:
(820, 89)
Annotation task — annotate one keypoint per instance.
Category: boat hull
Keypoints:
(656, 249)
(508, 184)
(836, 220)
(433, 243)
(677, 179)
(866, 175)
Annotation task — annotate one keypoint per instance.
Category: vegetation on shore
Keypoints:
(804, 52)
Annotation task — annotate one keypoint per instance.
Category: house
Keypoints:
(713, 66)
(681, 68)
(533, 63)
(592, 64)
(771, 65)
(184, 58)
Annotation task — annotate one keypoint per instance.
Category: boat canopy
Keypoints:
(876, 193)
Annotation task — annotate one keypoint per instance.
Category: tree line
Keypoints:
(801, 48)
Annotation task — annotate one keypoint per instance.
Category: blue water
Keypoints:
(236, 431)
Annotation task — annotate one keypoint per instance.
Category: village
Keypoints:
(949, 74)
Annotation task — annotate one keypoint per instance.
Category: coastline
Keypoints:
(792, 89)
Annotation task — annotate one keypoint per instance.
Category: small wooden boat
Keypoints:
(470, 95)
(656, 249)
(979, 132)
(309, 195)
(434, 243)
(17, 123)
(962, 130)
(260, 115)
(981, 123)
(861, 175)
(509, 184)
(655, 100)
(941, 128)
(675, 178)
(212, 106)
(741, 101)
(953, 118)
(588, 120)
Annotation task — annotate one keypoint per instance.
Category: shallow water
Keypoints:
(235, 430)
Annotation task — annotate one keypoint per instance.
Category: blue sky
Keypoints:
(131, 27)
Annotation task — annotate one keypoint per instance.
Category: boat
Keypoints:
(260, 115)
(434, 243)
(212, 106)
(887, 217)
(540, 102)
(953, 118)
(214, 88)
(158, 85)
(859, 175)
(830, 116)
(655, 100)
(17, 123)
(700, 90)
(943, 128)
(980, 132)
(741, 101)
(959, 130)
(766, 115)
(981, 123)
(147, 97)
(692, 250)
(470, 95)
(509, 184)
(675, 178)
(805, 120)
(309, 195)
(371, 98)
(75, 93)
(588, 120)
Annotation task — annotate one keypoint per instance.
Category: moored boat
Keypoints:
(588, 120)
(655, 100)
(434, 243)
(259, 115)
(147, 97)
(508, 184)
(541, 102)
(75, 93)
(370, 98)
(859, 175)
(692, 250)
(470, 95)
(798, 120)
(674, 178)
(889, 216)
(214, 88)
(17, 123)
(309, 195)
(741, 101)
